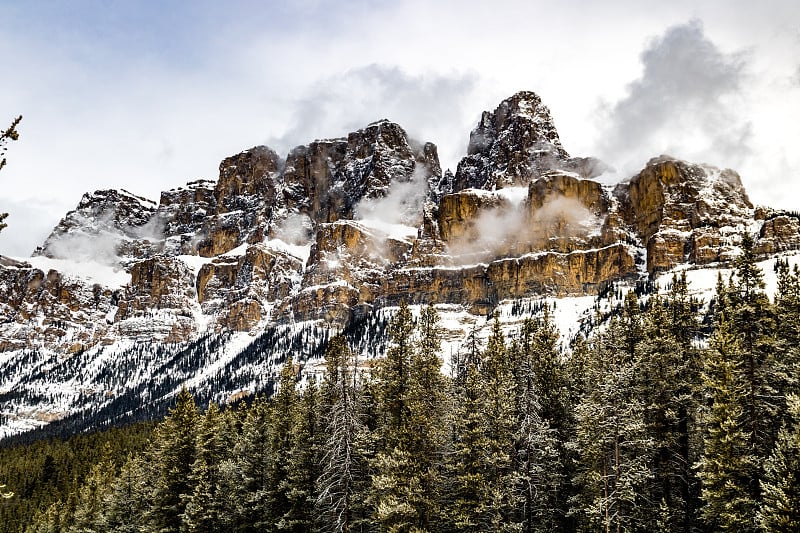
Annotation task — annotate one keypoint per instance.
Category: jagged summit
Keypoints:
(342, 228)
(514, 144)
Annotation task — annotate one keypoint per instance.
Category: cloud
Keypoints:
(29, 223)
(688, 102)
(431, 107)
(402, 204)
(503, 229)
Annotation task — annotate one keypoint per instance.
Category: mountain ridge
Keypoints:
(344, 228)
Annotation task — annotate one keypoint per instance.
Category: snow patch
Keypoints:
(87, 271)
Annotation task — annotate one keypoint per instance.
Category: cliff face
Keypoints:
(369, 220)
(686, 213)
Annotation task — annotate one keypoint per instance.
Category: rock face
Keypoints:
(73, 312)
(327, 179)
(514, 144)
(369, 220)
(684, 212)
(108, 224)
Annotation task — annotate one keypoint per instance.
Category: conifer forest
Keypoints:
(670, 417)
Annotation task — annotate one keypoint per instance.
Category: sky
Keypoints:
(149, 95)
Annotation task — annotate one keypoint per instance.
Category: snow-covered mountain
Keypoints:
(217, 282)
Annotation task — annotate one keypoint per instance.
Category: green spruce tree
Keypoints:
(780, 507)
(173, 454)
(728, 466)
(612, 441)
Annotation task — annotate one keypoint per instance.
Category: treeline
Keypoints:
(35, 476)
(645, 426)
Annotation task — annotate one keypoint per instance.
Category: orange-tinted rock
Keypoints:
(157, 283)
(779, 234)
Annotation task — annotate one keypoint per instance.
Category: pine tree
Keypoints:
(10, 134)
(283, 408)
(252, 470)
(467, 493)
(498, 422)
(780, 508)
(481, 492)
(539, 461)
(125, 505)
(391, 489)
(302, 466)
(95, 489)
(173, 454)
(727, 466)
(205, 510)
(428, 423)
(668, 376)
(751, 318)
(340, 486)
(611, 438)
(787, 320)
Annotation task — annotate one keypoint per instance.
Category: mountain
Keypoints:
(213, 285)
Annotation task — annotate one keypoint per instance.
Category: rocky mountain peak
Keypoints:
(346, 226)
(327, 179)
(101, 216)
(685, 212)
(514, 144)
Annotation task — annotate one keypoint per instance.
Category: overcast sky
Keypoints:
(149, 95)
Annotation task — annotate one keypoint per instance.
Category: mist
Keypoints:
(511, 226)
(430, 107)
(402, 204)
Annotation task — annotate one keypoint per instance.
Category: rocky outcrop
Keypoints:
(183, 211)
(515, 144)
(236, 289)
(779, 233)
(459, 213)
(327, 179)
(370, 220)
(108, 224)
(247, 181)
(46, 307)
(161, 295)
(481, 287)
(684, 212)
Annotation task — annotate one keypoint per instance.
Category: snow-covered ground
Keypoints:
(56, 386)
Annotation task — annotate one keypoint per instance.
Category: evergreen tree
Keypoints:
(787, 342)
(128, 500)
(727, 466)
(467, 496)
(668, 376)
(283, 408)
(428, 423)
(751, 318)
(539, 461)
(302, 466)
(392, 493)
(611, 436)
(9, 134)
(205, 509)
(95, 489)
(341, 490)
(482, 494)
(252, 470)
(780, 508)
(173, 454)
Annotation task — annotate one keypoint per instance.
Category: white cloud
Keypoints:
(112, 102)
(430, 107)
(29, 223)
(688, 103)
